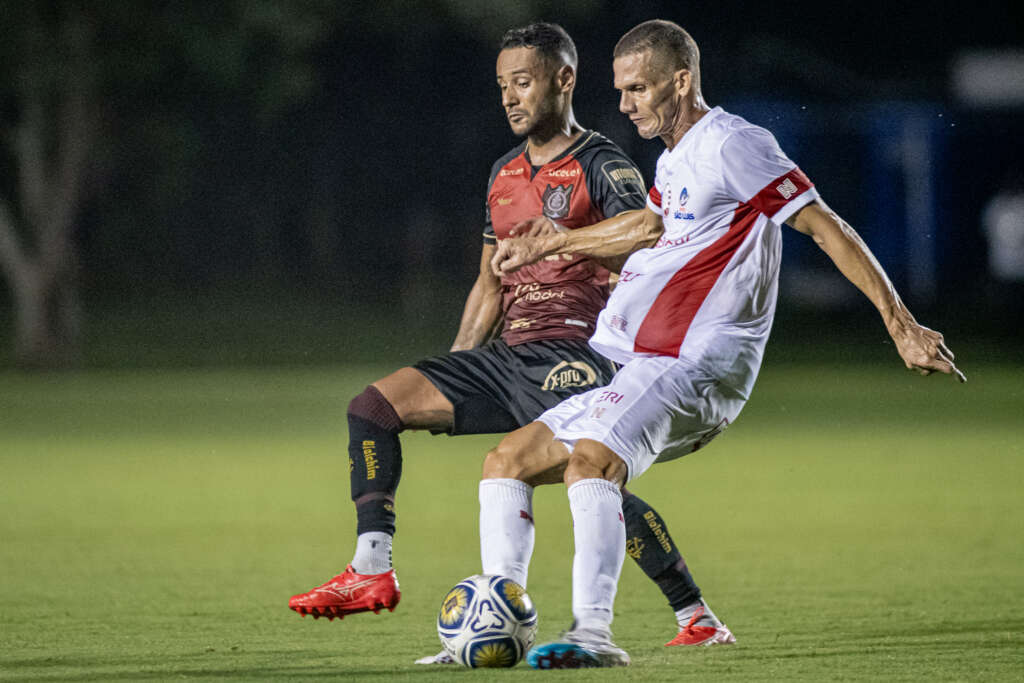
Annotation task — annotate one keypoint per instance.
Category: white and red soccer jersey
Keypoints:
(706, 291)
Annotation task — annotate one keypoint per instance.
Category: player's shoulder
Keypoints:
(731, 133)
(592, 145)
(604, 161)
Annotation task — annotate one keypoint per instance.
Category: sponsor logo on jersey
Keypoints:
(681, 213)
(787, 189)
(504, 201)
(618, 322)
(532, 293)
(370, 456)
(568, 374)
(520, 324)
(665, 242)
(666, 200)
(556, 200)
(658, 530)
(634, 547)
(512, 171)
(624, 178)
(562, 173)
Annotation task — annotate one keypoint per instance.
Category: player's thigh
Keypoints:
(654, 409)
(530, 454)
(418, 403)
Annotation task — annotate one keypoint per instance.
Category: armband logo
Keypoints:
(787, 189)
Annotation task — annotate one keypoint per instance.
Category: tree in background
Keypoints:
(54, 87)
(71, 79)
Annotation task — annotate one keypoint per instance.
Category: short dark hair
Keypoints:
(550, 40)
(667, 40)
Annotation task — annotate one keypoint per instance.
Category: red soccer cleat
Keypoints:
(349, 593)
(703, 629)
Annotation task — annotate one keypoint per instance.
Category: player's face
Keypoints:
(647, 95)
(527, 89)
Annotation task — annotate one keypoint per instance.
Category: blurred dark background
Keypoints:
(281, 181)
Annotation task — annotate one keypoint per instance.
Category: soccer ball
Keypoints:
(487, 621)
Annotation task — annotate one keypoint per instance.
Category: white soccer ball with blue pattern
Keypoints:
(487, 621)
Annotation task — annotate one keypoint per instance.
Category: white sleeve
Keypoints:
(755, 171)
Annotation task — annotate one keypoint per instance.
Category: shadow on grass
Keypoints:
(100, 668)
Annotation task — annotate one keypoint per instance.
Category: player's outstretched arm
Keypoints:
(922, 349)
(482, 312)
(612, 237)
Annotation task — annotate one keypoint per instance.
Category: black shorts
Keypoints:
(497, 388)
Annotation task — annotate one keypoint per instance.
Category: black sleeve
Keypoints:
(489, 236)
(615, 182)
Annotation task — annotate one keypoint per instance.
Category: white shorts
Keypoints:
(655, 409)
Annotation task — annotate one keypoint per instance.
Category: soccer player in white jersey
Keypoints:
(688, 321)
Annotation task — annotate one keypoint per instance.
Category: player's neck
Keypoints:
(686, 118)
(547, 143)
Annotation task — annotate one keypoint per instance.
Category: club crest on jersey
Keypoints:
(681, 213)
(556, 200)
(569, 374)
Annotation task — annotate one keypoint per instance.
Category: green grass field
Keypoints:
(856, 523)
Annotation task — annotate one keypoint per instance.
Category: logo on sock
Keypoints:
(634, 548)
(658, 530)
(370, 455)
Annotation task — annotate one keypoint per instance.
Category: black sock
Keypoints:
(649, 544)
(374, 460)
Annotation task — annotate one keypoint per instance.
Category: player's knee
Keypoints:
(372, 406)
(506, 461)
(593, 460)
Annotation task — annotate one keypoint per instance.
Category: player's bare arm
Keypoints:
(482, 312)
(613, 237)
(922, 349)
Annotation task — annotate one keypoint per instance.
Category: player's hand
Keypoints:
(515, 252)
(532, 227)
(923, 350)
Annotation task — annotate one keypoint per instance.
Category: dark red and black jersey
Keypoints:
(559, 297)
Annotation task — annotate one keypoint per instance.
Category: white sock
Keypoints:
(600, 532)
(506, 528)
(708, 617)
(373, 553)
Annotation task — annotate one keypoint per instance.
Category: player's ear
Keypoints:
(683, 80)
(566, 78)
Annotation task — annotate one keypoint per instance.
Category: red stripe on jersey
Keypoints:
(666, 323)
(778, 192)
(655, 196)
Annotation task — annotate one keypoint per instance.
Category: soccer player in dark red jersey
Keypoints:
(546, 313)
